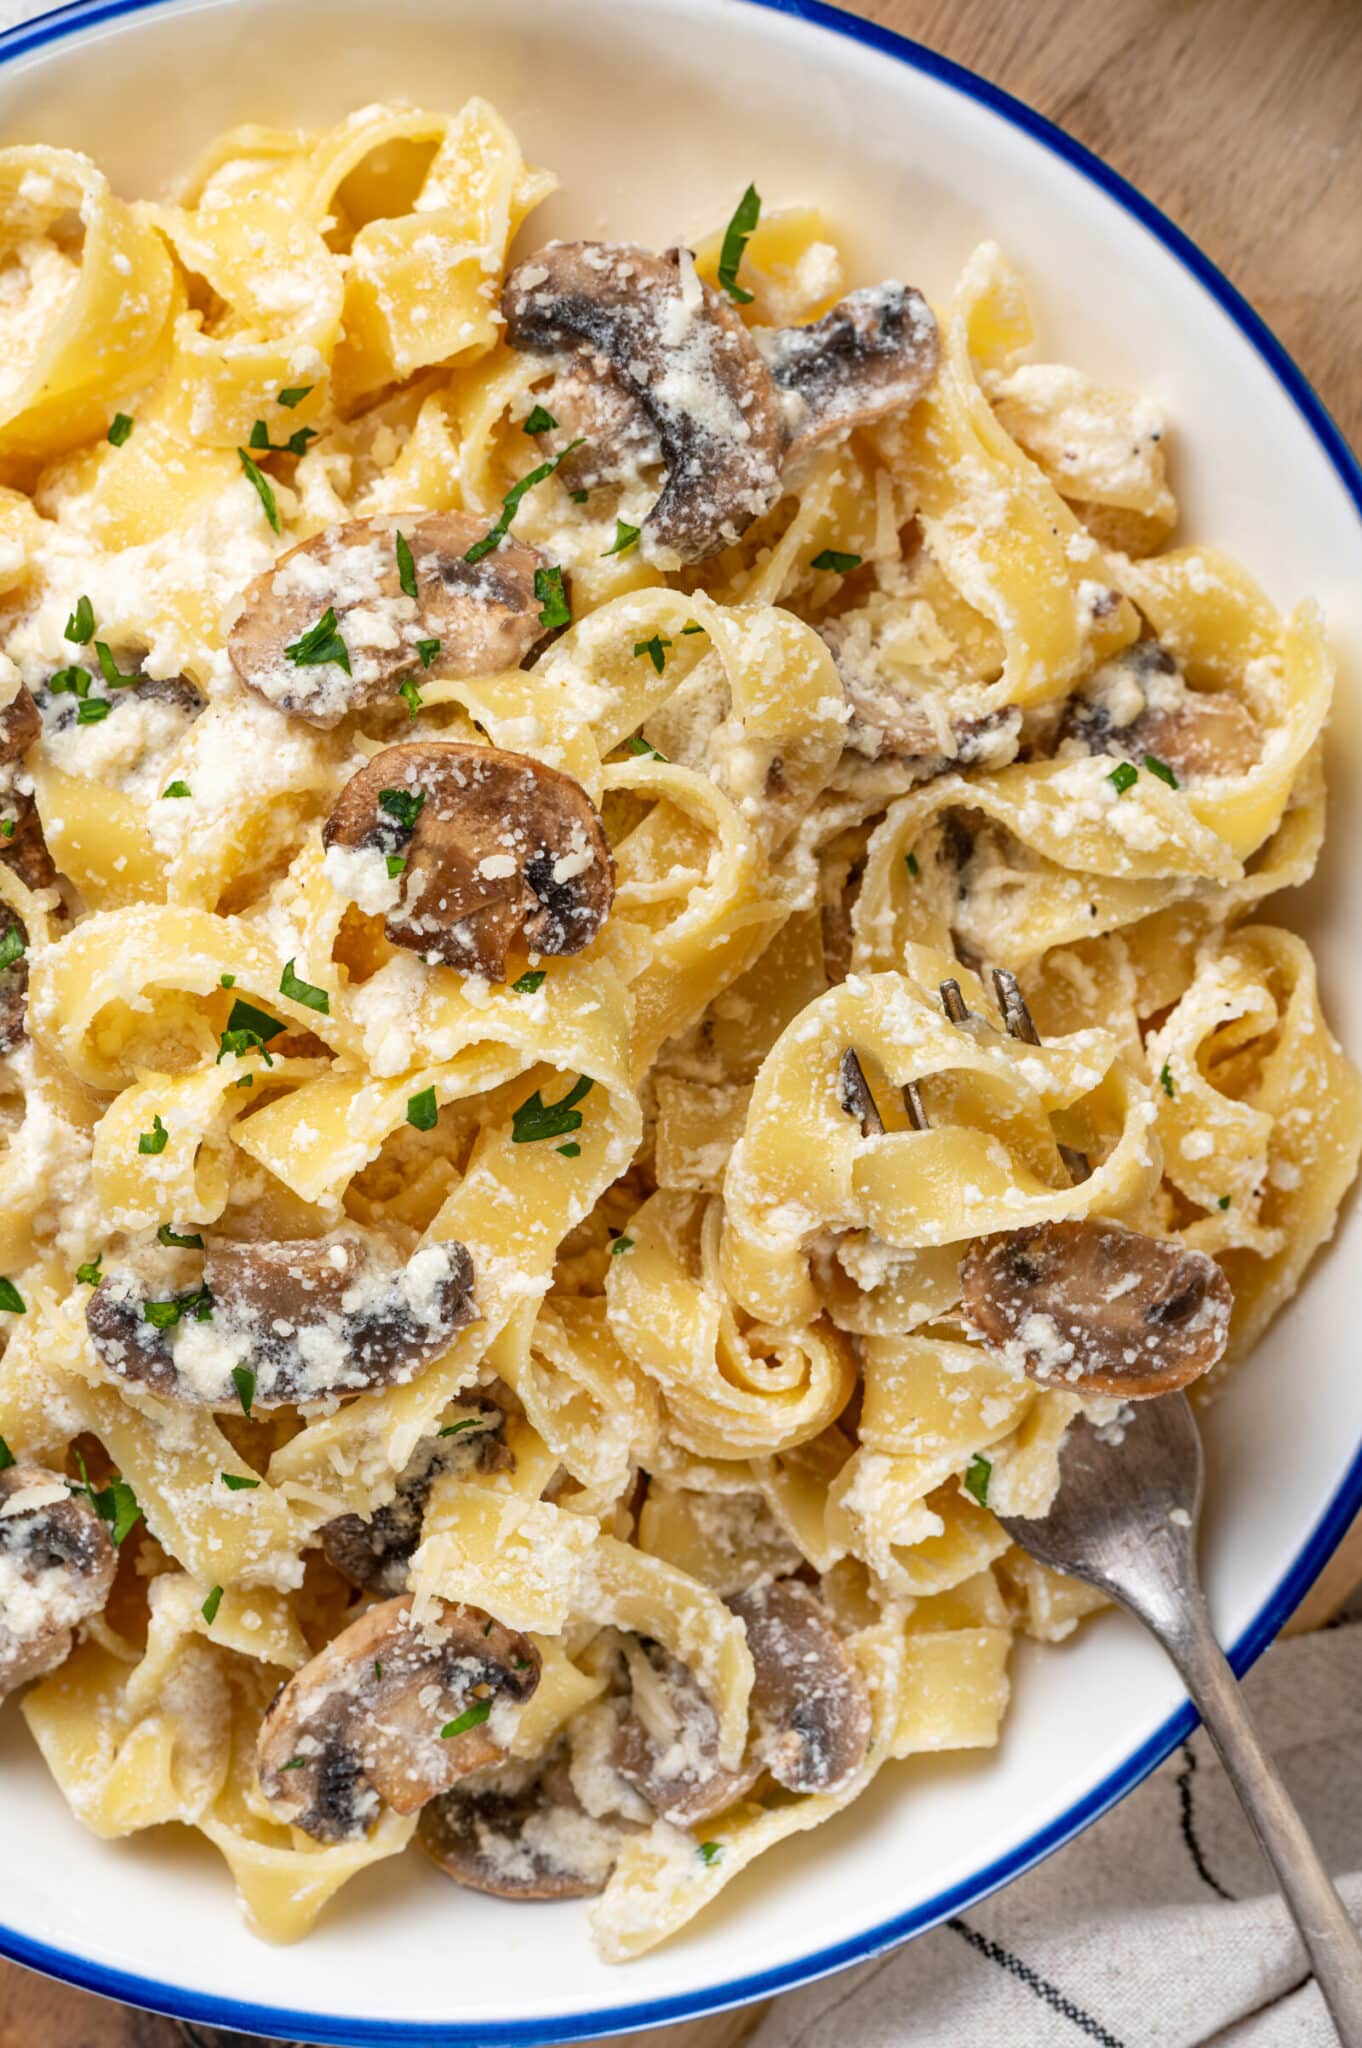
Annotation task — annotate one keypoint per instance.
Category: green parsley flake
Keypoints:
(89, 1274)
(110, 671)
(422, 1110)
(471, 1717)
(154, 1140)
(1161, 769)
(569, 1151)
(6, 1456)
(834, 559)
(510, 504)
(977, 1476)
(321, 643)
(638, 745)
(119, 428)
(539, 421)
(115, 1503)
(164, 1315)
(458, 1428)
(737, 234)
(295, 1763)
(210, 1607)
(304, 992)
(395, 865)
(296, 443)
(80, 627)
(1166, 1080)
(427, 649)
(190, 1242)
(654, 649)
(244, 1016)
(406, 567)
(235, 1483)
(178, 788)
(625, 536)
(410, 692)
(1124, 776)
(710, 1853)
(263, 488)
(243, 1379)
(621, 1244)
(536, 1118)
(1223, 1203)
(236, 1045)
(226, 981)
(11, 947)
(910, 862)
(402, 804)
(555, 611)
(11, 1301)
(294, 394)
(580, 497)
(70, 682)
(93, 711)
(693, 628)
(530, 982)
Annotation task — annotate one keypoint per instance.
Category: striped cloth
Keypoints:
(1158, 1928)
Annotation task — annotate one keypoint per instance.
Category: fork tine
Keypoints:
(1016, 1016)
(857, 1099)
(953, 1003)
(912, 1102)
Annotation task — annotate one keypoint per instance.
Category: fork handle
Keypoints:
(1331, 1941)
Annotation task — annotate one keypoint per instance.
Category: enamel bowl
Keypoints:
(655, 117)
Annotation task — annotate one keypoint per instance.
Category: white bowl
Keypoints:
(655, 117)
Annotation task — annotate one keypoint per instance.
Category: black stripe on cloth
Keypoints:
(1187, 1818)
(1049, 1993)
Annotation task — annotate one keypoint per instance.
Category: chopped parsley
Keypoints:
(737, 234)
(236, 1044)
(190, 1242)
(235, 1483)
(536, 1118)
(510, 504)
(11, 947)
(92, 710)
(1124, 776)
(304, 992)
(910, 862)
(580, 497)
(395, 865)
(294, 394)
(119, 428)
(402, 804)
(554, 610)
(625, 536)
(115, 1503)
(243, 1379)
(109, 668)
(70, 682)
(154, 1140)
(621, 1244)
(226, 981)
(638, 745)
(655, 650)
(710, 1853)
(422, 1110)
(295, 1763)
(531, 981)
(693, 628)
(539, 421)
(977, 1476)
(427, 649)
(410, 692)
(296, 443)
(244, 1016)
(210, 1607)
(406, 567)
(471, 1717)
(7, 826)
(163, 1315)
(1223, 1203)
(80, 627)
(263, 488)
(834, 559)
(321, 643)
(458, 1428)
(1161, 769)
(570, 1151)
(11, 1301)
(6, 1456)
(89, 1274)
(178, 788)
(1166, 1080)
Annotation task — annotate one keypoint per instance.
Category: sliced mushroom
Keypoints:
(810, 1707)
(520, 1832)
(647, 325)
(20, 723)
(375, 1554)
(1094, 1307)
(22, 846)
(13, 982)
(876, 352)
(1139, 703)
(316, 1317)
(668, 1742)
(57, 1563)
(484, 613)
(615, 439)
(364, 1723)
(499, 849)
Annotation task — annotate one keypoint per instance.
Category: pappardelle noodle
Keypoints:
(523, 1299)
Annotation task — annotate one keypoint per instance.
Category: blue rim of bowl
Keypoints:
(334, 2028)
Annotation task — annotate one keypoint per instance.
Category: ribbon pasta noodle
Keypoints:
(500, 769)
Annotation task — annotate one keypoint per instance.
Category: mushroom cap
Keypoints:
(519, 1833)
(375, 1554)
(616, 440)
(310, 1318)
(647, 323)
(502, 850)
(57, 1563)
(1140, 703)
(20, 723)
(360, 1726)
(25, 852)
(13, 985)
(484, 614)
(1096, 1308)
(668, 1742)
(810, 1705)
(874, 353)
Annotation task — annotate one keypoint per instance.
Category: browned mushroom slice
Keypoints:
(13, 979)
(1139, 703)
(317, 1317)
(519, 1832)
(1097, 1308)
(20, 723)
(392, 1712)
(615, 441)
(874, 353)
(668, 1742)
(810, 1707)
(22, 846)
(499, 849)
(375, 1554)
(57, 1564)
(484, 614)
(648, 325)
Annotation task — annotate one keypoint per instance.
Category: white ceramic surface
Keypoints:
(655, 116)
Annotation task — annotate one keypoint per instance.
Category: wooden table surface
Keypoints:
(1243, 120)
